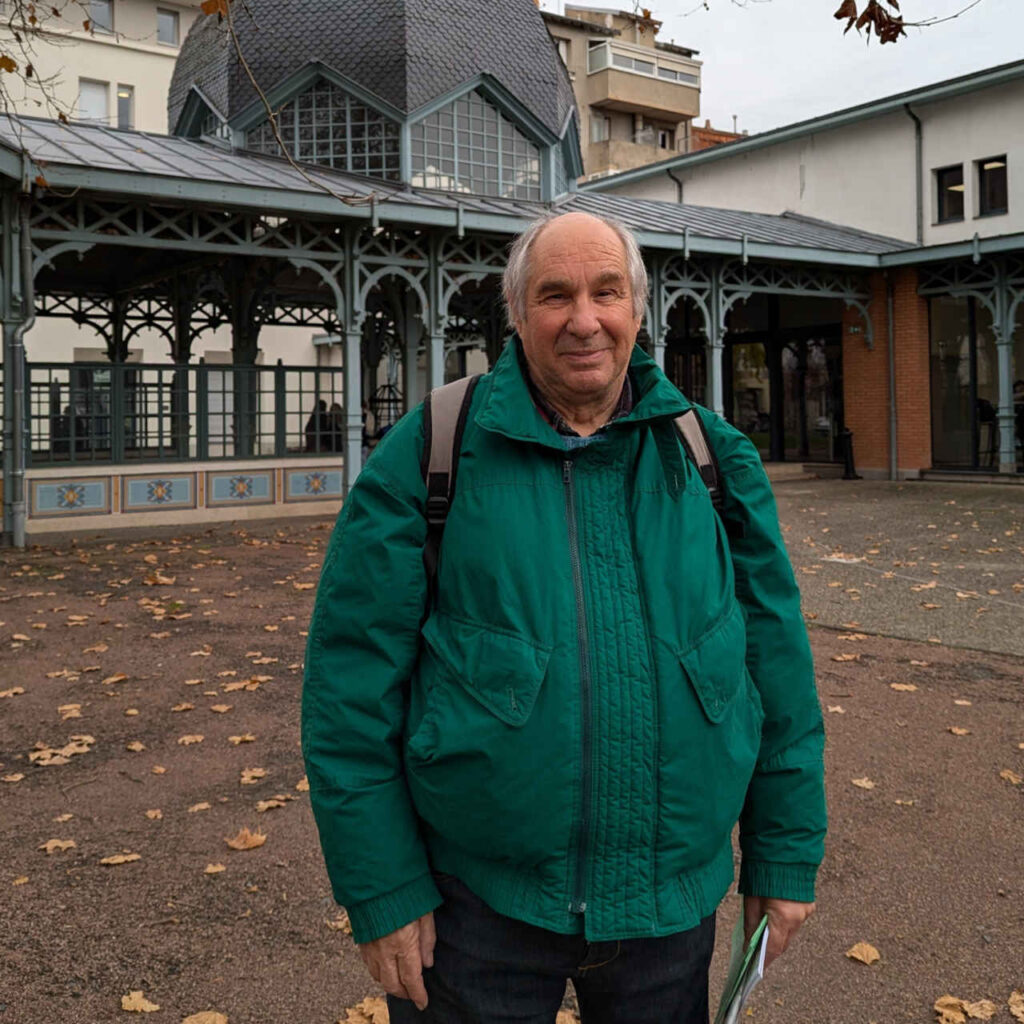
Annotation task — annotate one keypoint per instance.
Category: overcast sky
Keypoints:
(773, 62)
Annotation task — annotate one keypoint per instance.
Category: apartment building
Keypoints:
(636, 95)
(102, 61)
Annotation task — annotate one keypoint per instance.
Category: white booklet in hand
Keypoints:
(746, 969)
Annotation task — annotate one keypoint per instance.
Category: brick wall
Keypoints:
(866, 378)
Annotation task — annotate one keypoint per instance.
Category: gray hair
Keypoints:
(517, 270)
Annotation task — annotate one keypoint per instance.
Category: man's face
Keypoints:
(578, 328)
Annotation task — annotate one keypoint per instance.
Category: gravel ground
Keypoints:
(925, 865)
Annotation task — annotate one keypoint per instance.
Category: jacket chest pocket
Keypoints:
(716, 665)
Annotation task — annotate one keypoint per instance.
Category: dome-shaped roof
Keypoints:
(407, 52)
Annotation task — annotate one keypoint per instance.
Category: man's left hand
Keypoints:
(784, 920)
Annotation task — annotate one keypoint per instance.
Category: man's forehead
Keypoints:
(578, 240)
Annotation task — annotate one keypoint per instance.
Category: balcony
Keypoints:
(642, 80)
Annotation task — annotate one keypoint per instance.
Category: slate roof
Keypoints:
(163, 166)
(713, 222)
(407, 52)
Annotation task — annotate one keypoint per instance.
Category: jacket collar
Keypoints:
(509, 409)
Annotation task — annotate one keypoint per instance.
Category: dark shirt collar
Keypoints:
(623, 407)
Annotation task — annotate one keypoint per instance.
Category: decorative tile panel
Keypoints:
(240, 487)
(70, 497)
(163, 491)
(312, 484)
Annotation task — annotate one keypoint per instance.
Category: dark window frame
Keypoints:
(175, 18)
(942, 215)
(981, 174)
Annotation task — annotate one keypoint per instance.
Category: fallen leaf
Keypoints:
(184, 706)
(962, 703)
(245, 738)
(22, 879)
(864, 952)
(187, 741)
(158, 769)
(206, 1017)
(1016, 1004)
(118, 677)
(63, 817)
(303, 586)
(155, 815)
(836, 709)
(131, 712)
(1011, 776)
(214, 869)
(13, 692)
(67, 711)
(903, 687)
(906, 803)
(246, 840)
(250, 776)
(138, 1003)
(302, 785)
(983, 1009)
(864, 783)
(57, 845)
(268, 805)
(341, 923)
(846, 657)
(271, 629)
(203, 806)
(121, 858)
(220, 708)
(372, 1010)
(957, 730)
(135, 746)
(13, 777)
(930, 607)
(95, 649)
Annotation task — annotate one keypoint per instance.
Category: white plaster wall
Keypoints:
(863, 174)
(130, 56)
(968, 129)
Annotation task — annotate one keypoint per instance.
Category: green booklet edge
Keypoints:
(740, 960)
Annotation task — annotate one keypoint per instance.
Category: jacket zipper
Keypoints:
(578, 905)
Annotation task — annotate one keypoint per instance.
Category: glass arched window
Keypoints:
(469, 146)
(325, 125)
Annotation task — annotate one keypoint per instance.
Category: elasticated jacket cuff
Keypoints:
(778, 881)
(383, 914)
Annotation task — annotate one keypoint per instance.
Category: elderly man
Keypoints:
(531, 771)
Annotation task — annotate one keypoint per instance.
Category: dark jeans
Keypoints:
(492, 969)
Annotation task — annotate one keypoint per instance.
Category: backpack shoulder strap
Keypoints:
(698, 448)
(445, 411)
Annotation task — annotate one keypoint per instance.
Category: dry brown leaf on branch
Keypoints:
(250, 776)
(903, 687)
(206, 1017)
(121, 858)
(864, 783)
(57, 845)
(246, 840)
(372, 1010)
(864, 952)
(1011, 777)
(1016, 1004)
(138, 1003)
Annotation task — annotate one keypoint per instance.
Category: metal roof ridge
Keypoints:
(935, 92)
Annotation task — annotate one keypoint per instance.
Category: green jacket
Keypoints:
(604, 688)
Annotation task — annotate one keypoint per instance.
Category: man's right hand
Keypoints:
(396, 961)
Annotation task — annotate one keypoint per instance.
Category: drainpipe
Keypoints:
(919, 165)
(17, 353)
(679, 185)
(893, 448)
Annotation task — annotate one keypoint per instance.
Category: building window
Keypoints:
(101, 15)
(93, 101)
(168, 27)
(992, 194)
(469, 146)
(949, 183)
(562, 45)
(125, 106)
(327, 126)
(666, 138)
(600, 127)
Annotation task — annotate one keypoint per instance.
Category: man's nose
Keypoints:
(583, 322)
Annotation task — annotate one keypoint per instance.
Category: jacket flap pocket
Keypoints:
(716, 664)
(501, 670)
